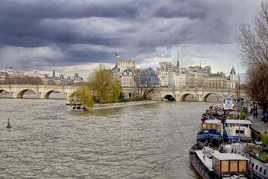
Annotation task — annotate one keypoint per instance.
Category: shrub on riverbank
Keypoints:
(264, 138)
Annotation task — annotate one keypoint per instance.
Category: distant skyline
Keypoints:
(68, 35)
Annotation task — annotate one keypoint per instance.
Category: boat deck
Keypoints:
(205, 160)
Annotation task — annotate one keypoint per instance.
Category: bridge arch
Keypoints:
(48, 93)
(188, 97)
(22, 92)
(169, 97)
(218, 97)
(4, 93)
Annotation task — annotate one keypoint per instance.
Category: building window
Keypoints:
(256, 167)
(264, 171)
(260, 169)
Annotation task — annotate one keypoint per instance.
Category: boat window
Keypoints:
(264, 171)
(256, 167)
(244, 125)
(252, 165)
(260, 169)
(239, 131)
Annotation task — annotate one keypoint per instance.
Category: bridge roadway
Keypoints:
(198, 94)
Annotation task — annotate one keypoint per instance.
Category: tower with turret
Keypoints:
(233, 75)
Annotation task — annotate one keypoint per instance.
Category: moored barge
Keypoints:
(211, 164)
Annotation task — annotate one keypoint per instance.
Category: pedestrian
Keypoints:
(256, 111)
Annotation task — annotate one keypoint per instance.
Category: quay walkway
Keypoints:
(258, 126)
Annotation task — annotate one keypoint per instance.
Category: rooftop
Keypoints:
(213, 121)
(228, 156)
(237, 121)
(206, 161)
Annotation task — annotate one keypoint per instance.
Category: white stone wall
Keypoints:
(128, 81)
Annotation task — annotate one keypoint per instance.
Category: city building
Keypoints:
(167, 73)
(125, 72)
(59, 79)
(3, 77)
(194, 77)
(76, 78)
(127, 78)
(147, 78)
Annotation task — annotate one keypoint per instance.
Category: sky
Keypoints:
(77, 35)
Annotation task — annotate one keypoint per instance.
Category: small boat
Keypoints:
(211, 164)
(237, 130)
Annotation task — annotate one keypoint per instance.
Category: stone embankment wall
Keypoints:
(122, 104)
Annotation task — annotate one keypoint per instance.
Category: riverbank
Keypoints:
(122, 104)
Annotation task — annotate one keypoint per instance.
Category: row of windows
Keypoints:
(237, 125)
(260, 169)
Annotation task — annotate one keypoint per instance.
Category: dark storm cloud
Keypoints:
(132, 27)
(67, 9)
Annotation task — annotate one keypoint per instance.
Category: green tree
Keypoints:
(106, 88)
(84, 95)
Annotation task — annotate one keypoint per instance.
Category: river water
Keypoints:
(47, 140)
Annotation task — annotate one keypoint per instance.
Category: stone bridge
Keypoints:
(197, 94)
(43, 91)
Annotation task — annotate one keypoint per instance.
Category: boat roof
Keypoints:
(205, 160)
(237, 121)
(228, 156)
(212, 121)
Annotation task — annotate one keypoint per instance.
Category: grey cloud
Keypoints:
(136, 27)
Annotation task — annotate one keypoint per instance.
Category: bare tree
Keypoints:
(254, 46)
(258, 84)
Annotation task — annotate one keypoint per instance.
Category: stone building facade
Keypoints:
(194, 77)
(125, 72)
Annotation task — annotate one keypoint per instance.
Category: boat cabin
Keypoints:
(236, 130)
(212, 124)
(228, 164)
